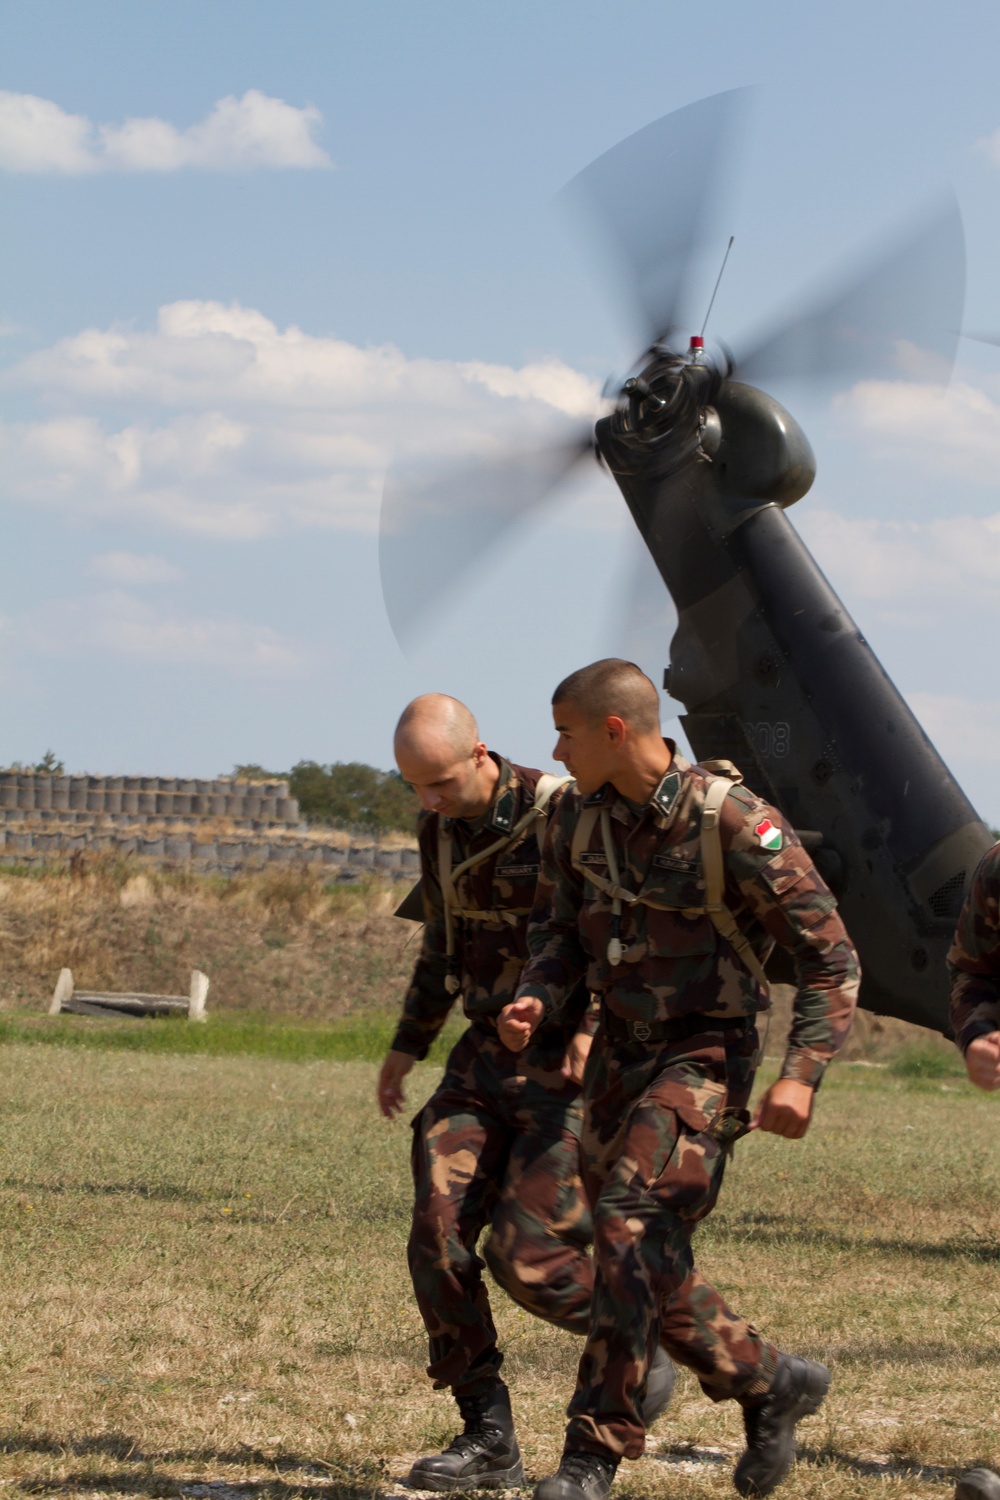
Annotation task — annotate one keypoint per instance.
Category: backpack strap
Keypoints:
(713, 869)
(451, 979)
(546, 787)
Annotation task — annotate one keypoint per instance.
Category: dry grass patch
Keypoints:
(281, 941)
(203, 1272)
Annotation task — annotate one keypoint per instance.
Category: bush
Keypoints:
(346, 792)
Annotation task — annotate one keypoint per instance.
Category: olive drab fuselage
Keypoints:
(775, 676)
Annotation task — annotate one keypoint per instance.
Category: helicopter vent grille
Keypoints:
(947, 899)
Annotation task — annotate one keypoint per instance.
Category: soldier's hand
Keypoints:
(390, 1083)
(576, 1057)
(982, 1061)
(518, 1021)
(785, 1109)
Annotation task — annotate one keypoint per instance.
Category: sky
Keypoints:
(254, 253)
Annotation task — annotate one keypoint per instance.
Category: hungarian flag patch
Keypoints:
(769, 836)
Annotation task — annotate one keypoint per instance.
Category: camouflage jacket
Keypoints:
(974, 956)
(488, 958)
(675, 963)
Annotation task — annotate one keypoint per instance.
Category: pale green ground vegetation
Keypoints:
(204, 1283)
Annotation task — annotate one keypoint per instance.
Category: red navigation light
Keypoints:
(697, 342)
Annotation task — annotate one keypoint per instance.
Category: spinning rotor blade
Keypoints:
(435, 524)
(898, 320)
(652, 195)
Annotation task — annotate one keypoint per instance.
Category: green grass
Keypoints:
(919, 1060)
(352, 1039)
(203, 1276)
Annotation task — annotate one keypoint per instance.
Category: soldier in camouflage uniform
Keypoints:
(974, 966)
(622, 898)
(497, 1145)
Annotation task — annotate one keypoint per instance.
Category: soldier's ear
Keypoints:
(615, 729)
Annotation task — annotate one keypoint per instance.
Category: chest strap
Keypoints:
(713, 870)
(508, 916)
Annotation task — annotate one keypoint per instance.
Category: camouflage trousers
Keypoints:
(652, 1170)
(497, 1147)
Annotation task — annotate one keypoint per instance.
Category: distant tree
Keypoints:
(49, 765)
(345, 792)
(351, 792)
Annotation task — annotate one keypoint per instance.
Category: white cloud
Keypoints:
(961, 729)
(37, 136)
(119, 624)
(955, 429)
(129, 568)
(238, 135)
(896, 561)
(240, 428)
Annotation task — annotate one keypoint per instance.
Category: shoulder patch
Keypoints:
(667, 793)
(769, 835)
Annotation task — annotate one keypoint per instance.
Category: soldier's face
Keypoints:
(585, 749)
(445, 785)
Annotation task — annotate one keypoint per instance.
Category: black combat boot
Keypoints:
(659, 1388)
(484, 1455)
(978, 1484)
(582, 1476)
(797, 1390)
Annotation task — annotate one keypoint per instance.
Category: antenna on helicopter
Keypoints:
(698, 340)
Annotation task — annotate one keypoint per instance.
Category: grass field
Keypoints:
(203, 1277)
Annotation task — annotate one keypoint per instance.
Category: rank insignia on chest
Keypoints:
(667, 792)
(503, 811)
(768, 835)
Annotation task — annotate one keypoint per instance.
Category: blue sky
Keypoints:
(335, 244)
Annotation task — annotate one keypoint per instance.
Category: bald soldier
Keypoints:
(496, 1147)
(667, 886)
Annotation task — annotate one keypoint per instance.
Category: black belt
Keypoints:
(675, 1030)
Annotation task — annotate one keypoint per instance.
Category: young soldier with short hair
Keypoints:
(666, 887)
(497, 1145)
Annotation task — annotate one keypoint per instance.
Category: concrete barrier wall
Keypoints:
(161, 798)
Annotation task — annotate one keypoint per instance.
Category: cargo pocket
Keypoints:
(669, 1116)
(684, 1177)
